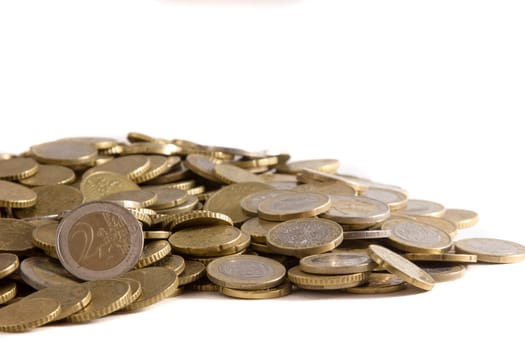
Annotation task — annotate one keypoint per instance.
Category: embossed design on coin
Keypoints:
(99, 240)
(423, 208)
(415, 237)
(292, 205)
(492, 250)
(360, 212)
(28, 313)
(15, 235)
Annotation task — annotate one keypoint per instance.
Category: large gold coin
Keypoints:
(491, 250)
(330, 188)
(101, 184)
(130, 166)
(8, 264)
(158, 165)
(337, 263)
(67, 153)
(99, 240)
(258, 229)
(192, 272)
(311, 281)
(423, 208)
(414, 237)
(145, 198)
(227, 200)
(357, 212)
(379, 283)
(72, 297)
(231, 174)
(462, 218)
(50, 175)
(152, 252)
(7, 291)
(52, 200)
(326, 165)
(246, 272)
(198, 218)
(108, 296)
(17, 168)
(250, 203)
(15, 235)
(98, 142)
(293, 205)
(302, 237)
(157, 283)
(399, 266)
(172, 262)
(13, 195)
(281, 290)
(205, 240)
(28, 313)
(40, 272)
(168, 197)
(202, 165)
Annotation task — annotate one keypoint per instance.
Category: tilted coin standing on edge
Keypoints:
(99, 240)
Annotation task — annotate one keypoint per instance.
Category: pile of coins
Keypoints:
(90, 226)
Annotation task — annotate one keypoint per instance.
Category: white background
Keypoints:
(425, 95)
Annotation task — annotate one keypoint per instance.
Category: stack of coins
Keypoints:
(90, 226)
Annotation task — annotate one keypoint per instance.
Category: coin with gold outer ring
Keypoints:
(415, 237)
(462, 218)
(491, 250)
(446, 257)
(278, 291)
(325, 282)
(422, 207)
(337, 263)
(379, 283)
(446, 272)
(293, 205)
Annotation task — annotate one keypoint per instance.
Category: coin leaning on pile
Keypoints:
(90, 226)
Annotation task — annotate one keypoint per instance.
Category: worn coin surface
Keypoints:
(202, 165)
(423, 208)
(28, 313)
(445, 273)
(441, 223)
(172, 262)
(394, 199)
(325, 282)
(66, 153)
(17, 168)
(52, 200)
(168, 197)
(72, 297)
(415, 237)
(99, 240)
(462, 218)
(337, 263)
(293, 205)
(281, 290)
(230, 174)
(399, 266)
(144, 197)
(379, 283)
(205, 240)
(129, 166)
(50, 175)
(103, 183)
(301, 237)
(41, 272)
(359, 212)
(491, 250)
(8, 264)
(258, 228)
(192, 272)
(326, 165)
(246, 272)
(15, 235)
(250, 203)
(157, 283)
(13, 195)
(330, 188)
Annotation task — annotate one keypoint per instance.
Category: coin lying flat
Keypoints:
(414, 237)
(230, 174)
(309, 175)
(258, 228)
(168, 197)
(394, 199)
(53, 199)
(281, 290)
(8, 264)
(337, 263)
(152, 252)
(172, 262)
(446, 272)
(99, 240)
(325, 282)
(145, 198)
(379, 283)
(13, 195)
(399, 266)
(50, 175)
(202, 165)
(198, 218)
(98, 142)
(129, 166)
(491, 250)
(330, 188)
(205, 240)
(41, 272)
(28, 313)
(103, 183)
(462, 218)
(108, 296)
(293, 205)
(441, 223)
(157, 283)
(17, 168)
(301, 237)
(15, 235)
(66, 153)
(326, 165)
(192, 272)
(422, 208)
(358, 212)
(72, 297)
(250, 203)
(246, 272)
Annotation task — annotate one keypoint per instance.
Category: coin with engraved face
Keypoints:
(99, 240)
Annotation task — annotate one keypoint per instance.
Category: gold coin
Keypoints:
(207, 260)
(258, 229)
(204, 285)
(246, 272)
(168, 197)
(7, 291)
(41, 272)
(136, 288)
(358, 212)
(172, 262)
(261, 248)
(293, 205)
(337, 263)
(401, 267)
(306, 280)
(108, 296)
(135, 137)
(157, 234)
(443, 224)
(158, 165)
(176, 172)
(394, 199)
(462, 218)
(13, 195)
(144, 215)
(98, 142)
(51, 200)
(445, 273)
(152, 148)
(101, 184)
(281, 290)
(157, 283)
(205, 240)
(130, 166)
(67, 153)
(326, 165)
(28, 313)
(448, 257)
(422, 207)
(145, 198)
(231, 174)
(227, 200)
(369, 234)
(491, 250)
(312, 175)
(192, 272)
(330, 188)
(99, 240)
(256, 162)
(17, 168)
(379, 283)
(415, 237)
(196, 190)
(72, 297)
(301, 237)
(8, 264)
(189, 205)
(198, 218)
(250, 203)
(50, 175)
(202, 165)
(15, 235)
(152, 252)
